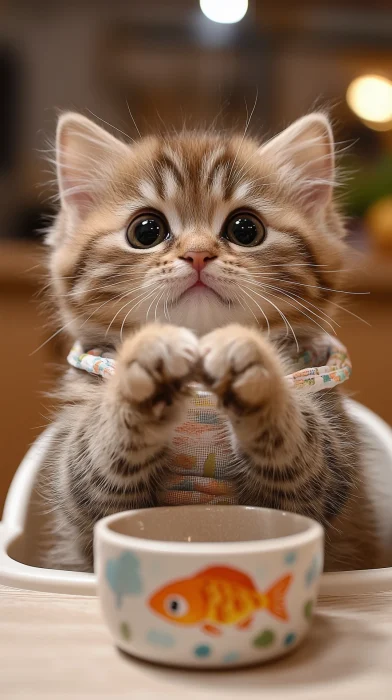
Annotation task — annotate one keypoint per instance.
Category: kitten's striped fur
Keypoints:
(240, 333)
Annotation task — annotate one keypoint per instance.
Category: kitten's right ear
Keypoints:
(304, 154)
(84, 156)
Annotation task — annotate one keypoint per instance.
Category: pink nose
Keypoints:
(198, 259)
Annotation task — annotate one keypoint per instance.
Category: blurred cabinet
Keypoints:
(25, 377)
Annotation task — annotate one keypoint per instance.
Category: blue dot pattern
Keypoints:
(231, 658)
(313, 571)
(160, 639)
(290, 558)
(202, 651)
(289, 639)
(123, 576)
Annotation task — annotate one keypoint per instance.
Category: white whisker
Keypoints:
(244, 134)
(317, 286)
(290, 295)
(301, 312)
(51, 337)
(351, 313)
(132, 308)
(156, 305)
(132, 117)
(111, 125)
(258, 306)
(143, 287)
(249, 308)
(282, 315)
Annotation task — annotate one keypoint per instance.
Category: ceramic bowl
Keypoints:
(208, 586)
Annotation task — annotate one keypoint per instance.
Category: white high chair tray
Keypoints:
(24, 522)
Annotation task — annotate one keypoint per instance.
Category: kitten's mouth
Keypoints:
(199, 286)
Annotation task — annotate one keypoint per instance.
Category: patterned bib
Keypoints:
(201, 446)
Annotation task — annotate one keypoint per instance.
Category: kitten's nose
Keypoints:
(198, 259)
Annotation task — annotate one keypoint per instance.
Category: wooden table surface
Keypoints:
(56, 647)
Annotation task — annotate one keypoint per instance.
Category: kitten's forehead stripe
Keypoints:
(220, 162)
(166, 163)
(149, 190)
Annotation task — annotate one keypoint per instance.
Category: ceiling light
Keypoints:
(224, 11)
(370, 98)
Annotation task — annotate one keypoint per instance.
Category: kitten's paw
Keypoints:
(156, 364)
(239, 366)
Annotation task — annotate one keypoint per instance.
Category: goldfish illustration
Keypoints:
(219, 595)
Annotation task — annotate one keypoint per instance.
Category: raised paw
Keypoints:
(239, 366)
(156, 364)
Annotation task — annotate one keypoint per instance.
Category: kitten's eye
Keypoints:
(147, 231)
(244, 229)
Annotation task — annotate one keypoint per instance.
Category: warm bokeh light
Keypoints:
(224, 11)
(370, 98)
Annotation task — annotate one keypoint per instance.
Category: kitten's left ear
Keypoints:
(305, 155)
(85, 153)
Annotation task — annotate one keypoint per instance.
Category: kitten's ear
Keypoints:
(84, 154)
(305, 154)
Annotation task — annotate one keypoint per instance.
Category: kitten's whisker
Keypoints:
(76, 292)
(119, 296)
(69, 323)
(270, 302)
(125, 278)
(279, 296)
(317, 286)
(132, 117)
(117, 265)
(291, 295)
(255, 266)
(351, 313)
(258, 306)
(281, 292)
(283, 316)
(165, 307)
(156, 305)
(132, 309)
(240, 300)
(262, 274)
(143, 288)
(51, 337)
(144, 298)
(111, 125)
(309, 303)
(248, 120)
(153, 300)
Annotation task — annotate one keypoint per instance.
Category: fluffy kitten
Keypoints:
(234, 249)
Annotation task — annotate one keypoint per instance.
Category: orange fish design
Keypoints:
(219, 595)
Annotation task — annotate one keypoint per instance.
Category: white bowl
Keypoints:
(208, 586)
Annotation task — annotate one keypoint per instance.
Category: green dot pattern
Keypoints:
(308, 609)
(125, 631)
(265, 639)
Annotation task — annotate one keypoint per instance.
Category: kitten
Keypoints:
(234, 250)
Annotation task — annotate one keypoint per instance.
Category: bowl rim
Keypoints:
(103, 533)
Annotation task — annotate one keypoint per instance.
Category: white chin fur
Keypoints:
(202, 311)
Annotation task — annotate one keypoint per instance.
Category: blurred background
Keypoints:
(177, 62)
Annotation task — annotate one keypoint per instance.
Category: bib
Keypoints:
(201, 446)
